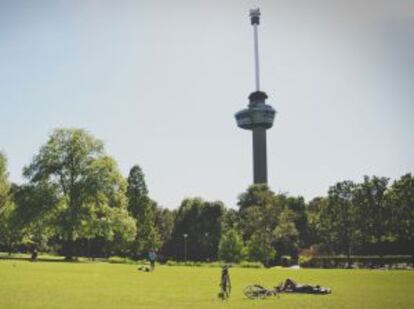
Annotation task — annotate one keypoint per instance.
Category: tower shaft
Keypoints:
(256, 56)
(259, 155)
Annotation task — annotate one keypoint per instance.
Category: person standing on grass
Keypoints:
(34, 254)
(152, 256)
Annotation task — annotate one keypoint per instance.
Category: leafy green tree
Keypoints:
(231, 247)
(371, 200)
(259, 209)
(90, 190)
(339, 218)
(231, 219)
(401, 197)
(260, 247)
(35, 214)
(256, 195)
(201, 221)
(164, 221)
(4, 182)
(143, 209)
(299, 218)
(9, 234)
(313, 213)
(286, 235)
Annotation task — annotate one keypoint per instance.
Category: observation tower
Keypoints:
(258, 116)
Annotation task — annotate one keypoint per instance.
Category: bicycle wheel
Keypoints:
(255, 291)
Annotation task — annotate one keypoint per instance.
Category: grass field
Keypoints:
(102, 285)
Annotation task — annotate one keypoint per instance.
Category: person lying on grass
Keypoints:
(291, 286)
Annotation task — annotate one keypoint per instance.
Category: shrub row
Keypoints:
(244, 264)
(341, 261)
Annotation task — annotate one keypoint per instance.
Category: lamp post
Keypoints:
(185, 247)
(269, 244)
(207, 246)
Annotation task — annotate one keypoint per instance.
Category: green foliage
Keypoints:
(260, 247)
(259, 208)
(249, 264)
(401, 200)
(285, 235)
(4, 183)
(338, 218)
(143, 209)
(231, 247)
(371, 200)
(360, 261)
(89, 189)
(164, 221)
(201, 221)
(10, 235)
(77, 202)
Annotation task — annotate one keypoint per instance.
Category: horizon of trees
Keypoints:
(76, 203)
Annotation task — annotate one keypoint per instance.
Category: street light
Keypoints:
(268, 231)
(207, 246)
(185, 247)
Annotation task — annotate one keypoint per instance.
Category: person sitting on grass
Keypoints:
(292, 286)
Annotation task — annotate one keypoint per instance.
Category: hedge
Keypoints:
(355, 261)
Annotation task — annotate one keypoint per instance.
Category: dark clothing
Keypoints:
(152, 256)
(294, 287)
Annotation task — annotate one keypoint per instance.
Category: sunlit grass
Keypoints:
(102, 285)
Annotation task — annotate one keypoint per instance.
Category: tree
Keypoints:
(9, 234)
(259, 209)
(260, 247)
(338, 218)
(143, 209)
(164, 222)
(299, 218)
(90, 190)
(372, 202)
(286, 235)
(201, 221)
(256, 195)
(4, 182)
(231, 247)
(34, 214)
(401, 197)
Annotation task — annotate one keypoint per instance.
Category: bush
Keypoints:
(244, 264)
(341, 261)
(286, 260)
(124, 260)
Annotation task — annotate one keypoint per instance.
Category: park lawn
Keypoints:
(103, 285)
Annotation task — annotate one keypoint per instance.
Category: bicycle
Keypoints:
(256, 291)
(225, 284)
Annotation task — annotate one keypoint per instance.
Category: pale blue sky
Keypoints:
(160, 81)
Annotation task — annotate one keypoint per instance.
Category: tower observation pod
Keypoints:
(258, 116)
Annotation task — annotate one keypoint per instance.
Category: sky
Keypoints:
(160, 81)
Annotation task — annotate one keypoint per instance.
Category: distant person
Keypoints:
(152, 257)
(34, 255)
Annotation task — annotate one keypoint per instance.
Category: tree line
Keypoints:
(76, 202)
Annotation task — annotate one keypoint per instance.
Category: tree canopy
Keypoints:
(88, 188)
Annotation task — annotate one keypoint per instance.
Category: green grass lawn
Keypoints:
(102, 285)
